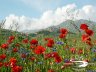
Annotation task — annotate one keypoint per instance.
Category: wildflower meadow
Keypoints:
(20, 52)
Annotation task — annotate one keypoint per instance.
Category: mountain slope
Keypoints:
(72, 26)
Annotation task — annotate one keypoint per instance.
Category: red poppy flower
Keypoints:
(32, 58)
(49, 45)
(89, 43)
(62, 35)
(14, 60)
(17, 45)
(3, 56)
(4, 46)
(11, 37)
(85, 37)
(6, 64)
(39, 50)
(58, 59)
(23, 55)
(9, 41)
(49, 55)
(15, 50)
(12, 64)
(89, 32)
(84, 26)
(1, 64)
(51, 41)
(46, 39)
(73, 50)
(34, 42)
(54, 54)
(80, 51)
(63, 31)
(17, 69)
(25, 40)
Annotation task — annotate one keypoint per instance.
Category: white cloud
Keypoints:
(51, 17)
(87, 9)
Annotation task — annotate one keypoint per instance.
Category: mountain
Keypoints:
(75, 25)
(72, 26)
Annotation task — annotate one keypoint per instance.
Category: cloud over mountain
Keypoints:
(51, 17)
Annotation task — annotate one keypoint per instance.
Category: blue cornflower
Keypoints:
(59, 42)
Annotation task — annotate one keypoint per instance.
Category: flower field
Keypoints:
(23, 53)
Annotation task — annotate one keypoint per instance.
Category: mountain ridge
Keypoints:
(72, 26)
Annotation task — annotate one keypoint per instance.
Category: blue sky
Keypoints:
(35, 8)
